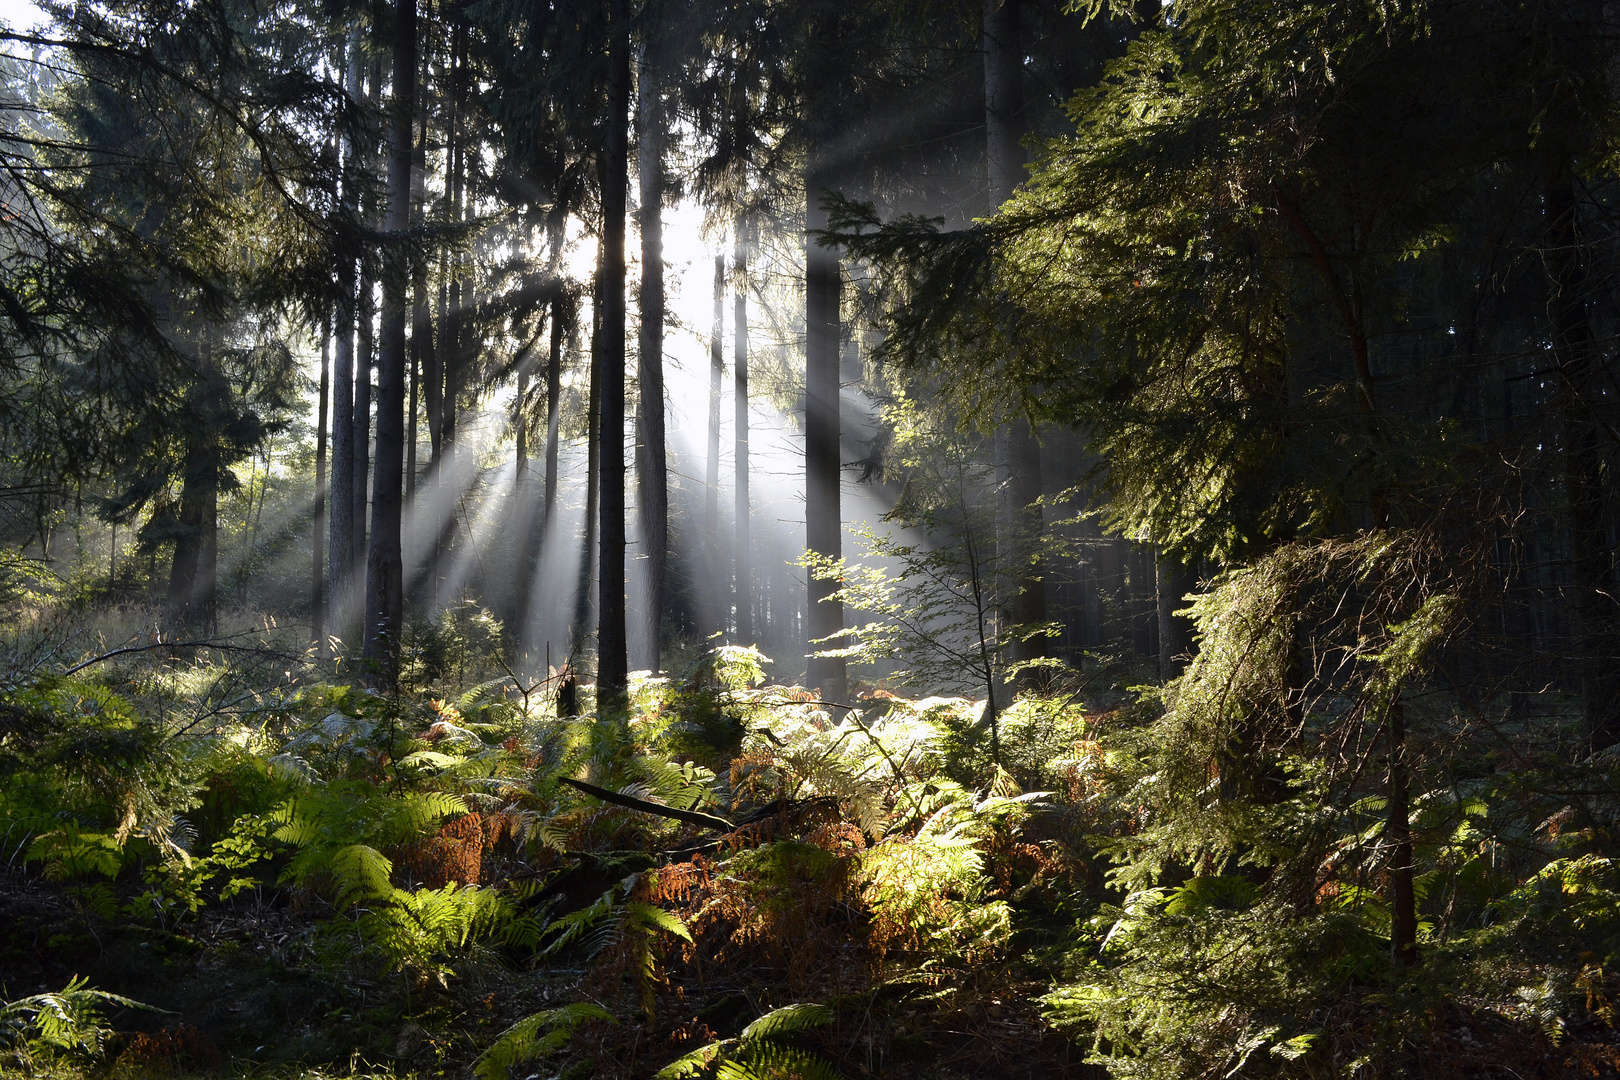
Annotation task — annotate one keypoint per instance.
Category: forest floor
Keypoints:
(217, 863)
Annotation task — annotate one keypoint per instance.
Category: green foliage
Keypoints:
(939, 578)
(69, 1021)
(762, 1051)
(536, 1036)
(423, 931)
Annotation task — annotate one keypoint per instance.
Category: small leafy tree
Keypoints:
(937, 587)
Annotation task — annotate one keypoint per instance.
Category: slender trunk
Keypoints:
(652, 470)
(343, 474)
(317, 617)
(739, 368)
(1597, 623)
(714, 602)
(823, 461)
(553, 412)
(421, 322)
(612, 663)
(184, 569)
(412, 406)
(593, 476)
(520, 425)
(432, 370)
(361, 445)
(1175, 581)
(385, 567)
(1020, 450)
(1403, 898)
(1003, 97)
(365, 359)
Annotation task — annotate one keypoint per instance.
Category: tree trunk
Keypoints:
(1597, 628)
(317, 617)
(520, 425)
(421, 321)
(343, 475)
(1175, 631)
(739, 367)
(553, 413)
(361, 444)
(823, 460)
(713, 598)
(1020, 451)
(384, 570)
(593, 476)
(197, 492)
(612, 661)
(652, 470)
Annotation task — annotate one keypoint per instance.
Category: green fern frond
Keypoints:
(536, 1036)
(569, 928)
(650, 917)
(788, 1020)
(693, 1063)
(361, 873)
(68, 1020)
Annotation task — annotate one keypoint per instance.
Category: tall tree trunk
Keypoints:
(823, 459)
(343, 380)
(1175, 631)
(714, 604)
(612, 662)
(1020, 451)
(413, 406)
(1597, 622)
(520, 425)
(652, 471)
(553, 410)
(421, 321)
(317, 617)
(739, 368)
(366, 307)
(385, 592)
(593, 476)
(183, 570)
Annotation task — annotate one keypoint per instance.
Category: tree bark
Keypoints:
(553, 393)
(739, 368)
(317, 617)
(823, 460)
(343, 476)
(1020, 450)
(612, 664)
(652, 469)
(713, 600)
(198, 499)
(593, 476)
(360, 447)
(385, 567)
(1175, 631)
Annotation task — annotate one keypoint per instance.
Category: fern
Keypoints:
(419, 931)
(68, 1021)
(535, 1036)
(760, 1053)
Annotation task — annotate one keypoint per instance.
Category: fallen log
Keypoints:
(691, 817)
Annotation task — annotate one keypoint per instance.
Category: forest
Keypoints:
(809, 539)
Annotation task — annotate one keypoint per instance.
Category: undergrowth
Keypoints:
(302, 877)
